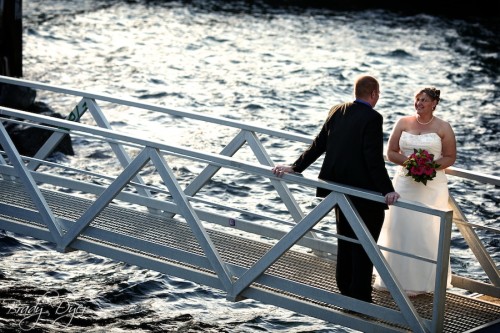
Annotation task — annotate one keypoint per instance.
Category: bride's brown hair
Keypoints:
(432, 93)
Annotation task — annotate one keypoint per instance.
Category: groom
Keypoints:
(352, 140)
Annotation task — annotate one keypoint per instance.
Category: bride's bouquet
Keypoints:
(421, 166)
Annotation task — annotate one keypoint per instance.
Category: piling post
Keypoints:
(11, 43)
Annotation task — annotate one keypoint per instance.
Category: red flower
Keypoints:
(417, 170)
(421, 166)
(428, 170)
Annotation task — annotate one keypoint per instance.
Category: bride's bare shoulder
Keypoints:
(443, 127)
(404, 121)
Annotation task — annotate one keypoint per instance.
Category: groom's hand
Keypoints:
(391, 197)
(280, 170)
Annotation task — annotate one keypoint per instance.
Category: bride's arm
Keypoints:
(393, 152)
(449, 147)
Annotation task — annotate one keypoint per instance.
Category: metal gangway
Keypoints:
(145, 211)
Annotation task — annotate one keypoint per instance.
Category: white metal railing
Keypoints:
(136, 154)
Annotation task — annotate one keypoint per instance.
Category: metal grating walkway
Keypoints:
(463, 314)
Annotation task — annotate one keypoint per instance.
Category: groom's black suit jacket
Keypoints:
(352, 140)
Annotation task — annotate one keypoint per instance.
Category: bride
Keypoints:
(406, 230)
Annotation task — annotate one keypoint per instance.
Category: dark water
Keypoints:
(275, 67)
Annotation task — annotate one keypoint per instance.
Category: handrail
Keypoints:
(174, 112)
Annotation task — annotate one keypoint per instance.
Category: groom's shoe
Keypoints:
(365, 298)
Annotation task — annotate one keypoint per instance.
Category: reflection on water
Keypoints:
(282, 69)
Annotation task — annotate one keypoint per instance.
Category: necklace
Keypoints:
(416, 118)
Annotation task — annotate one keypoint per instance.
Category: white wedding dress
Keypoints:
(414, 232)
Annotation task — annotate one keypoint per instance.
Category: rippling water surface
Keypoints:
(274, 67)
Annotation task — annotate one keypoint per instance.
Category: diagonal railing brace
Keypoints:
(105, 198)
(31, 186)
(285, 243)
(187, 211)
